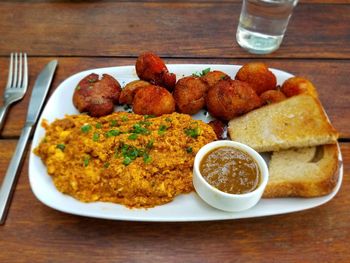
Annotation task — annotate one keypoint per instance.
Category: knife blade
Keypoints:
(40, 90)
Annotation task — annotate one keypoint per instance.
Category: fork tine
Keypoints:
(25, 77)
(9, 79)
(15, 68)
(19, 82)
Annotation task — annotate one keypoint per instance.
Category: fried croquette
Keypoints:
(97, 96)
(128, 93)
(189, 95)
(258, 76)
(153, 100)
(212, 77)
(150, 67)
(231, 98)
(297, 85)
(272, 96)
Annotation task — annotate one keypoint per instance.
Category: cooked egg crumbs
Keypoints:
(134, 160)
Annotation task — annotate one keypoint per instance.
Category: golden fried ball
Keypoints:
(153, 100)
(297, 85)
(231, 98)
(213, 77)
(272, 96)
(129, 91)
(189, 95)
(258, 76)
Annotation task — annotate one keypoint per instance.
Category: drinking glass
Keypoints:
(262, 24)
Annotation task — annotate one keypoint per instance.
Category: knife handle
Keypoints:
(3, 111)
(9, 181)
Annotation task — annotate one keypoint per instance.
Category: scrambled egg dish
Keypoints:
(138, 161)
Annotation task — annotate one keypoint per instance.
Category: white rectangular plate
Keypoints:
(186, 207)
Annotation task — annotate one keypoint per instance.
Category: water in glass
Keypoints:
(262, 24)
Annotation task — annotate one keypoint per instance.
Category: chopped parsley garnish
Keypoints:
(86, 160)
(201, 74)
(113, 123)
(127, 160)
(150, 144)
(147, 158)
(189, 149)
(145, 123)
(78, 88)
(192, 131)
(129, 153)
(148, 116)
(98, 125)
(92, 80)
(106, 165)
(125, 118)
(86, 128)
(139, 129)
(129, 150)
(205, 72)
(96, 137)
(61, 146)
(162, 129)
(112, 133)
(126, 107)
(168, 119)
(133, 136)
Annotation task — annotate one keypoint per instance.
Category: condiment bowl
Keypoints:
(227, 201)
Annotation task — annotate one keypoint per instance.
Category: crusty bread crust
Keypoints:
(299, 121)
(307, 172)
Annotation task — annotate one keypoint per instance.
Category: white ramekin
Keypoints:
(225, 201)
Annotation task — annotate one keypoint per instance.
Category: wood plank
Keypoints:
(183, 29)
(176, 1)
(46, 235)
(330, 77)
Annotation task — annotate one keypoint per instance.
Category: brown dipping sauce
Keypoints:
(230, 170)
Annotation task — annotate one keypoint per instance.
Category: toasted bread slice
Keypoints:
(299, 121)
(303, 172)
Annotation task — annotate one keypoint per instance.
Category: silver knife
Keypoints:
(41, 87)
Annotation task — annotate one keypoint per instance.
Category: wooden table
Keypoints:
(91, 34)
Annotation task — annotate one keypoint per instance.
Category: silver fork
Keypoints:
(17, 83)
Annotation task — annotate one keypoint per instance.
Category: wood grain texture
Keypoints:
(173, 1)
(46, 235)
(330, 78)
(186, 29)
